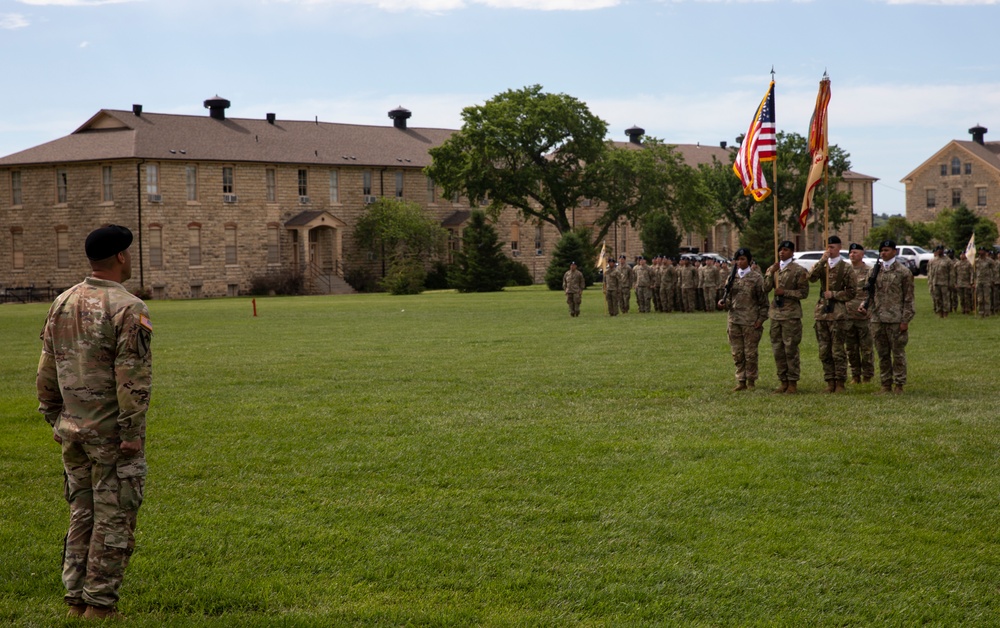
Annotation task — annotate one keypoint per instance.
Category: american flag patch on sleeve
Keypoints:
(145, 323)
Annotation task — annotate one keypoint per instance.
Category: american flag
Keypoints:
(758, 145)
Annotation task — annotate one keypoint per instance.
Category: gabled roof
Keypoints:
(112, 134)
(988, 152)
(693, 154)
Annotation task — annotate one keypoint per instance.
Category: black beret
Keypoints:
(890, 244)
(787, 244)
(939, 247)
(743, 252)
(855, 247)
(107, 241)
(833, 240)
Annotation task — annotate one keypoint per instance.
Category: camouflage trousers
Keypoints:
(890, 342)
(623, 300)
(860, 350)
(953, 296)
(708, 297)
(984, 301)
(642, 296)
(611, 298)
(743, 341)
(965, 296)
(667, 299)
(104, 492)
(941, 296)
(785, 338)
(573, 299)
(689, 299)
(657, 304)
(830, 336)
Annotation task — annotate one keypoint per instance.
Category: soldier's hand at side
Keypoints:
(904, 326)
(131, 446)
(57, 438)
(862, 310)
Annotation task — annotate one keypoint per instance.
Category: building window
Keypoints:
(272, 186)
(624, 237)
(107, 188)
(155, 246)
(956, 198)
(303, 182)
(931, 199)
(192, 183)
(968, 167)
(15, 187)
(944, 170)
(366, 183)
(273, 245)
(515, 238)
(233, 290)
(956, 165)
(62, 248)
(152, 179)
(430, 190)
(399, 184)
(455, 198)
(231, 245)
(539, 239)
(195, 292)
(981, 197)
(227, 180)
(334, 186)
(17, 246)
(62, 186)
(194, 245)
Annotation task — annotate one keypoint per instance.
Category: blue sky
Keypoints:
(907, 75)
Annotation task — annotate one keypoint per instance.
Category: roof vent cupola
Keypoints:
(217, 107)
(978, 132)
(635, 134)
(137, 110)
(399, 116)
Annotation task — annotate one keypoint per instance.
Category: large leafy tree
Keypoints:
(574, 246)
(398, 231)
(659, 236)
(793, 171)
(525, 149)
(480, 266)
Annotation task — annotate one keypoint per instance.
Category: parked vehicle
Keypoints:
(919, 255)
(808, 259)
(718, 258)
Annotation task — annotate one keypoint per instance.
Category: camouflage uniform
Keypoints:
(93, 382)
(573, 285)
(939, 283)
(710, 286)
(643, 283)
(953, 280)
(786, 320)
(963, 284)
(611, 297)
(747, 306)
(995, 306)
(626, 281)
(831, 327)
(892, 305)
(984, 284)
(688, 282)
(668, 286)
(860, 349)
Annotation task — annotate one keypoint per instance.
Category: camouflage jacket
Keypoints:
(95, 372)
(861, 278)
(747, 301)
(687, 277)
(963, 273)
(611, 279)
(794, 280)
(984, 271)
(573, 282)
(893, 301)
(626, 277)
(710, 276)
(643, 276)
(842, 284)
(939, 272)
(668, 276)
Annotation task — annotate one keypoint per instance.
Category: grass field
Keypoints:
(448, 459)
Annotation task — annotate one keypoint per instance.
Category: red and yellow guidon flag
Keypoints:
(819, 148)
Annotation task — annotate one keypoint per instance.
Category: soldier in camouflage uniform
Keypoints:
(939, 282)
(950, 254)
(573, 285)
(983, 279)
(93, 383)
(836, 287)
(626, 281)
(643, 285)
(710, 284)
(747, 306)
(860, 348)
(611, 296)
(668, 284)
(995, 307)
(687, 277)
(891, 313)
(790, 283)
(963, 283)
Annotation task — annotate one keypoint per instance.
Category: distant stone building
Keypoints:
(963, 172)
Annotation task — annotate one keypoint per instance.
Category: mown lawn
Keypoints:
(449, 459)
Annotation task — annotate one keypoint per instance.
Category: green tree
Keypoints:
(758, 236)
(793, 171)
(398, 231)
(899, 230)
(480, 266)
(659, 236)
(573, 246)
(963, 225)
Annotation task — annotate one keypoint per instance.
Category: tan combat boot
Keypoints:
(886, 389)
(831, 386)
(782, 388)
(898, 389)
(101, 612)
(793, 388)
(740, 386)
(76, 610)
(751, 384)
(840, 387)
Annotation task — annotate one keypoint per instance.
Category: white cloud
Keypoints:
(84, 44)
(10, 21)
(74, 3)
(451, 5)
(950, 3)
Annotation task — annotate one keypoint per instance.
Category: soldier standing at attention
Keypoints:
(950, 254)
(939, 282)
(891, 313)
(860, 350)
(790, 283)
(837, 287)
(643, 283)
(611, 296)
(626, 281)
(688, 281)
(710, 284)
(983, 283)
(93, 382)
(747, 306)
(963, 283)
(668, 284)
(573, 285)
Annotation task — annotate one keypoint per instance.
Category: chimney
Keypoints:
(217, 107)
(722, 144)
(635, 134)
(399, 116)
(977, 134)
(137, 110)
(270, 118)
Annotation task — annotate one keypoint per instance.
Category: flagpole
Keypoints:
(774, 195)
